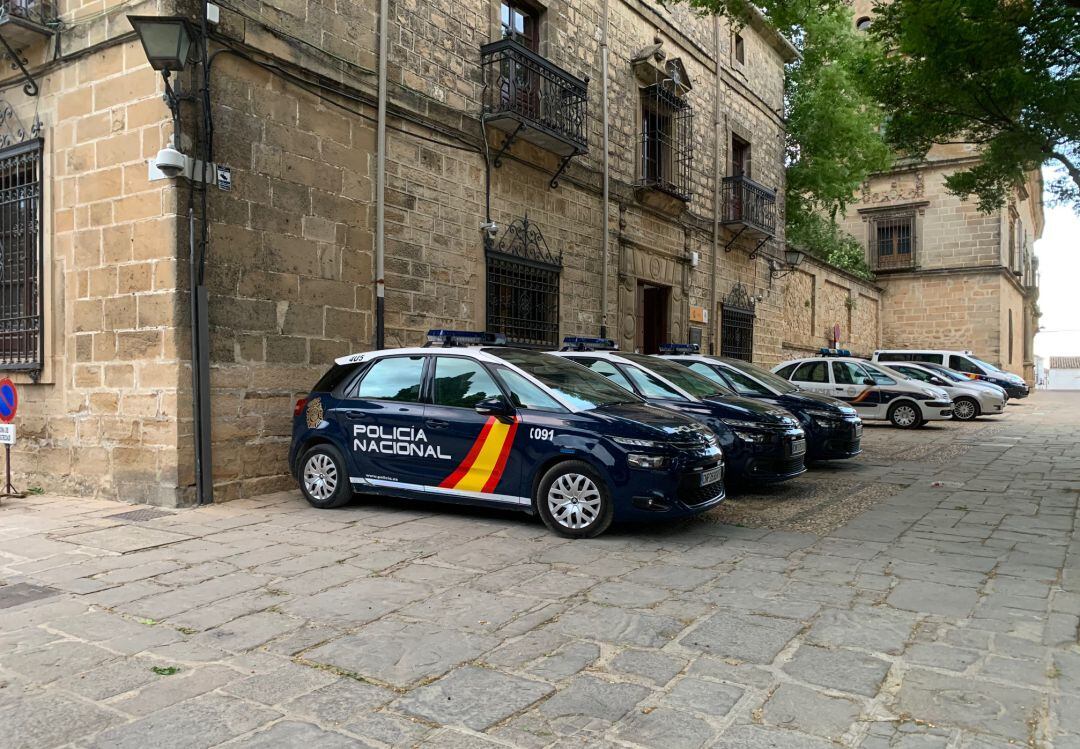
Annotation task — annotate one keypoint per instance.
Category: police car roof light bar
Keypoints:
(834, 352)
(578, 343)
(445, 338)
(679, 348)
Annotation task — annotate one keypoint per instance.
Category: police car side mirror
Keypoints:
(936, 381)
(496, 406)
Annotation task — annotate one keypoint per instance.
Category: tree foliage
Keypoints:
(833, 124)
(1001, 74)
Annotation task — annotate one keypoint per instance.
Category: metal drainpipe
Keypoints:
(604, 259)
(716, 193)
(380, 186)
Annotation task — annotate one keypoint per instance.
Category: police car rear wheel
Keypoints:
(323, 480)
(965, 409)
(573, 501)
(904, 416)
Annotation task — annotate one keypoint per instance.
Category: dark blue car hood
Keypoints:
(803, 399)
(629, 419)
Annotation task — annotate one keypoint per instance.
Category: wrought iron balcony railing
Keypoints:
(23, 22)
(532, 98)
(749, 205)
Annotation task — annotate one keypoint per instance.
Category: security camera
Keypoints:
(171, 162)
(490, 228)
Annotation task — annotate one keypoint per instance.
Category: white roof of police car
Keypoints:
(617, 356)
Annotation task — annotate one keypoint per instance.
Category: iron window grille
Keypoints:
(737, 313)
(523, 287)
(21, 252)
(666, 140)
(892, 241)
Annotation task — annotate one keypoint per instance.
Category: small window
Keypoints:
(666, 140)
(785, 372)
(744, 384)
(892, 240)
(651, 386)
(914, 374)
(705, 370)
(462, 383)
(521, 24)
(395, 378)
(740, 49)
(21, 339)
(894, 356)
(608, 370)
(931, 358)
(963, 364)
(863, 24)
(740, 157)
(526, 394)
(879, 377)
(812, 371)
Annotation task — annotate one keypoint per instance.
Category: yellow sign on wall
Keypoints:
(699, 314)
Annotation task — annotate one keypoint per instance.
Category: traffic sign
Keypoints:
(7, 434)
(9, 400)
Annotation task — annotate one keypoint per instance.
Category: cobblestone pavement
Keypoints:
(942, 612)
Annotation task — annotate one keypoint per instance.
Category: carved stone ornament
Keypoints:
(898, 190)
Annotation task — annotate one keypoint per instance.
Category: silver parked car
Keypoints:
(969, 401)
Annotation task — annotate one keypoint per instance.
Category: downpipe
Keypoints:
(380, 186)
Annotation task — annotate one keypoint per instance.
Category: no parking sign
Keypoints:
(9, 406)
(9, 400)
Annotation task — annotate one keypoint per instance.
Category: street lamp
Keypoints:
(792, 259)
(166, 40)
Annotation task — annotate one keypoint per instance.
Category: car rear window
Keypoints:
(334, 376)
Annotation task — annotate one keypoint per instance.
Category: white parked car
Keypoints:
(969, 400)
(875, 393)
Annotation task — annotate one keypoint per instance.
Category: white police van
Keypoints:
(873, 392)
(959, 361)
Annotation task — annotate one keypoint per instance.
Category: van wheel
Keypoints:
(574, 501)
(324, 482)
(904, 415)
(965, 409)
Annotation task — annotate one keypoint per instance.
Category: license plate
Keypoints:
(798, 447)
(712, 475)
(858, 430)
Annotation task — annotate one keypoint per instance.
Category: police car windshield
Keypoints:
(679, 376)
(771, 381)
(949, 374)
(982, 363)
(575, 384)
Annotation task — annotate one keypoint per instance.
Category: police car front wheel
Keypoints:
(323, 479)
(904, 415)
(573, 500)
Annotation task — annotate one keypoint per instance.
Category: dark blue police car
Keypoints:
(833, 428)
(761, 442)
(465, 420)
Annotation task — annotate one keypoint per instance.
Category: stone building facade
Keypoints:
(695, 213)
(952, 277)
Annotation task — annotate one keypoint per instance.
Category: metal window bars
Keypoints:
(21, 250)
(523, 287)
(892, 241)
(666, 140)
(749, 204)
(737, 313)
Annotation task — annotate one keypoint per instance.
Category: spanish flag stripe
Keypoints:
(862, 396)
(500, 466)
(466, 464)
(479, 472)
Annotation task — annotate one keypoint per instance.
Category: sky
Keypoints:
(1059, 285)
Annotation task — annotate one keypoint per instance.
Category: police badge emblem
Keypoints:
(314, 413)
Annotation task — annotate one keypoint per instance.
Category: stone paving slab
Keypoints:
(942, 615)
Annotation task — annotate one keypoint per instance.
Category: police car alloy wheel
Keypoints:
(573, 501)
(323, 479)
(905, 415)
(965, 409)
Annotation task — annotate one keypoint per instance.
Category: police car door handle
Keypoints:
(437, 423)
(350, 414)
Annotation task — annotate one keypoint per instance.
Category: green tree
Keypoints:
(833, 123)
(1000, 74)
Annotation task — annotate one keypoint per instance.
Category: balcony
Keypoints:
(530, 98)
(25, 22)
(750, 206)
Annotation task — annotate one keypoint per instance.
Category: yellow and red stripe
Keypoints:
(485, 462)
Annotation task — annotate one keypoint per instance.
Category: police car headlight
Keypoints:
(646, 461)
(739, 427)
(824, 419)
(634, 442)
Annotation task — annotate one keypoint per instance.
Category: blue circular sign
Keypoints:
(9, 400)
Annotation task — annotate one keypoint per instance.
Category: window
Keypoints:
(863, 24)
(523, 287)
(786, 371)
(462, 383)
(526, 394)
(914, 374)
(740, 49)
(521, 24)
(846, 373)
(877, 376)
(396, 378)
(677, 375)
(21, 341)
(736, 333)
(932, 358)
(706, 371)
(1012, 242)
(652, 387)
(812, 371)
(740, 157)
(745, 385)
(573, 383)
(892, 240)
(963, 364)
(666, 140)
(608, 370)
